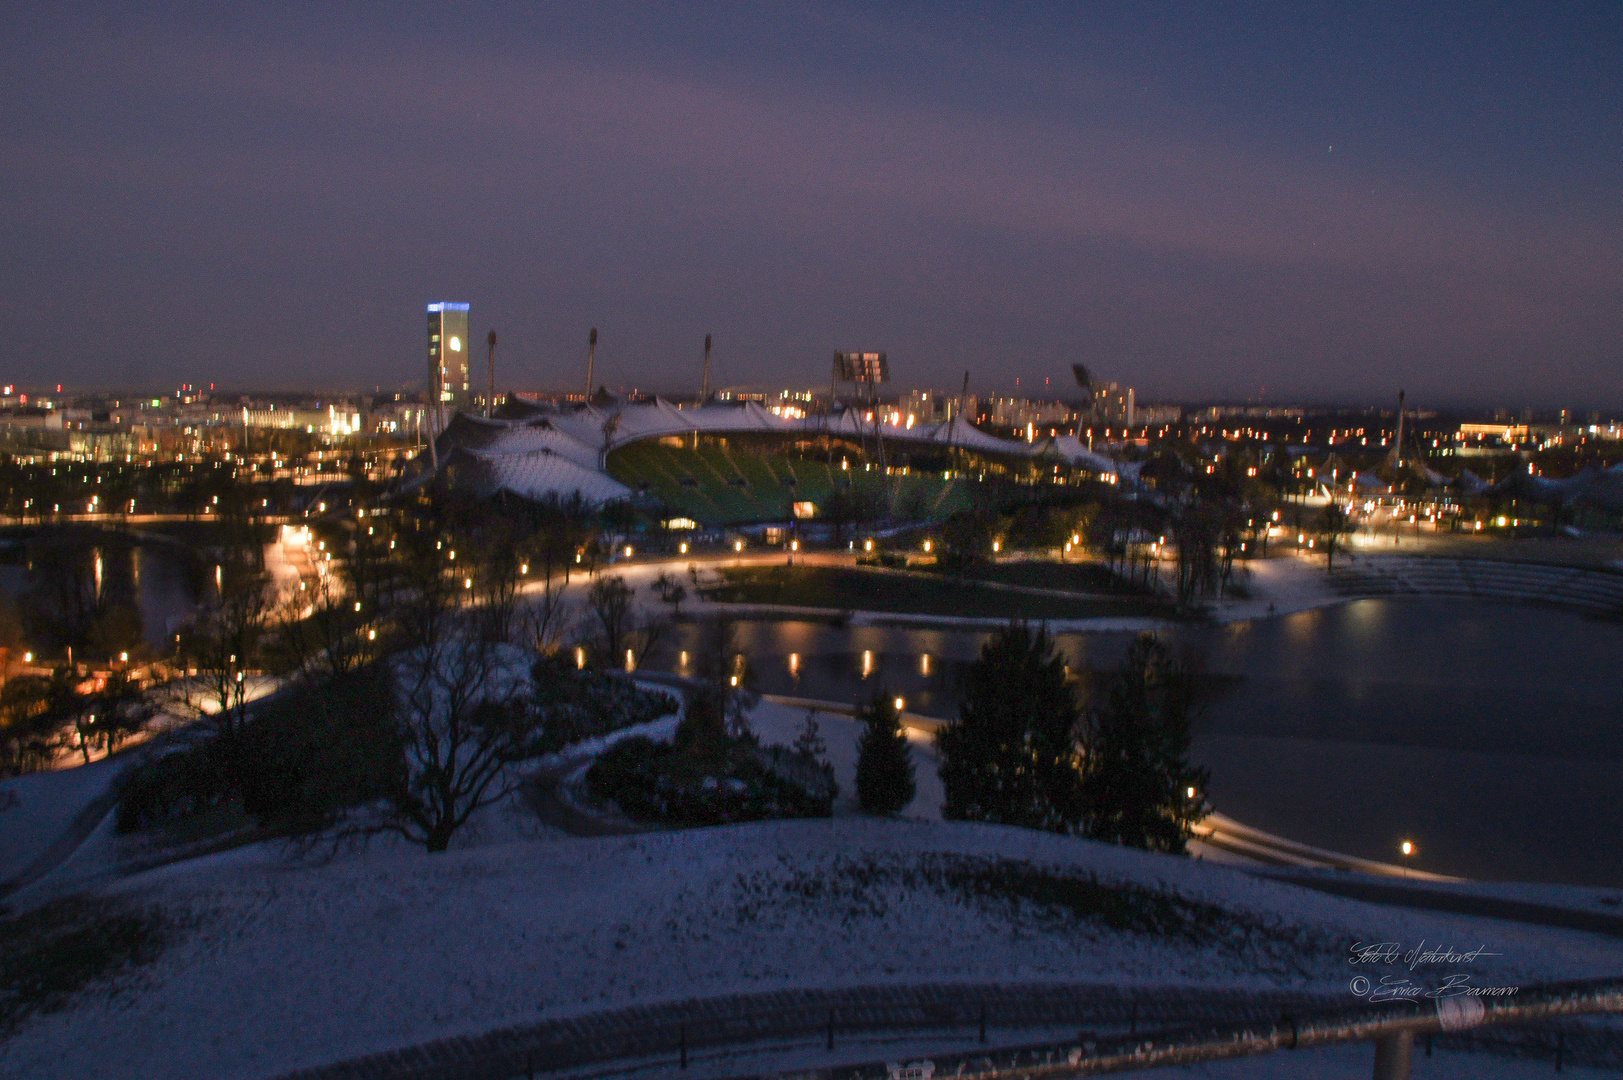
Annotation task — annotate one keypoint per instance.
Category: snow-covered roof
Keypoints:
(533, 474)
(563, 450)
(1070, 449)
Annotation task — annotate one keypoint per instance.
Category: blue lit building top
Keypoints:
(447, 305)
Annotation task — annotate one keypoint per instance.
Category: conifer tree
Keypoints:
(1011, 757)
(884, 770)
(1138, 786)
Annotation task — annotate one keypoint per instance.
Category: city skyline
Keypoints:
(1255, 204)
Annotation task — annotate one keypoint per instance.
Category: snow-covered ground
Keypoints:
(780, 725)
(37, 808)
(274, 964)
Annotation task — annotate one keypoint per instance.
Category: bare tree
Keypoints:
(320, 630)
(221, 645)
(671, 591)
(542, 621)
(610, 602)
(1334, 523)
(110, 714)
(622, 631)
(463, 712)
(724, 671)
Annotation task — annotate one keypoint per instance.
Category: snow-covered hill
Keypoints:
(274, 964)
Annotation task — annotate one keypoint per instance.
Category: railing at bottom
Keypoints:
(1392, 1027)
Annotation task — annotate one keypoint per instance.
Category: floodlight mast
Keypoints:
(873, 403)
(704, 387)
(591, 357)
(952, 423)
(1397, 447)
(432, 406)
(490, 393)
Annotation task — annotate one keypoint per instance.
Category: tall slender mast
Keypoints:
(1397, 448)
(490, 394)
(436, 379)
(704, 387)
(591, 357)
(873, 403)
(952, 424)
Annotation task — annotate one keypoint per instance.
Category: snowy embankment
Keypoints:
(272, 965)
(38, 810)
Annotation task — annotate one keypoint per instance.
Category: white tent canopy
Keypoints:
(563, 451)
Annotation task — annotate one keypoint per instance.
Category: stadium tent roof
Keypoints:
(535, 475)
(966, 436)
(1070, 449)
(561, 451)
(513, 437)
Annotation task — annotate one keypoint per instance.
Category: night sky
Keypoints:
(1204, 200)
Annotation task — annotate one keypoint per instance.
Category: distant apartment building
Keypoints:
(448, 351)
(1020, 412)
(930, 405)
(1157, 415)
(334, 420)
(1114, 404)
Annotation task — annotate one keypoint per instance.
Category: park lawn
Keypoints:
(844, 589)
(1082, 577)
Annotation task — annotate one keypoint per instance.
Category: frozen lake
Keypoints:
(1490, 735)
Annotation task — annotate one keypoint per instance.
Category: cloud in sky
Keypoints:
(1199, 208)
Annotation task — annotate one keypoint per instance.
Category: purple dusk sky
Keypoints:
(1236, 201)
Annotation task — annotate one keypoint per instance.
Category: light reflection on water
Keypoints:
(1490, 734)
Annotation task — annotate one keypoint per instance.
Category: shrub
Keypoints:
(581, 703)
(300, 760)
(718, 784)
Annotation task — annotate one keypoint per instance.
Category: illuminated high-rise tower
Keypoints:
(448, 352)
